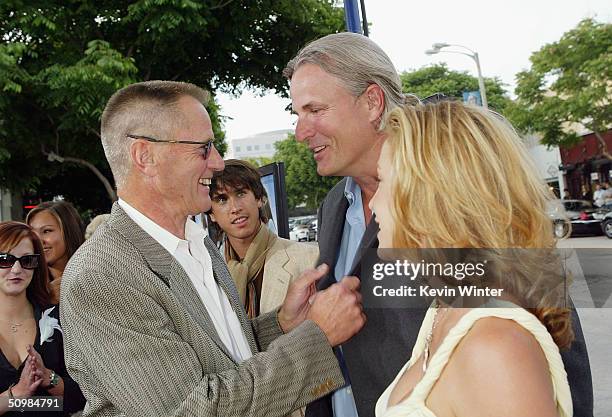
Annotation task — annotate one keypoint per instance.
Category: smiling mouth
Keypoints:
(318, 149)
(240, 220)
(205, 181)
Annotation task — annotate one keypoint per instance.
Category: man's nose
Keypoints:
(303, 130)
(215, 161)
(234, 205)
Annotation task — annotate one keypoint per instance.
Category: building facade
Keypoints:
(259, 145)
(584, 165)
(547, 162)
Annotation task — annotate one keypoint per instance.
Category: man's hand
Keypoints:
(297, 301)
(337, 310)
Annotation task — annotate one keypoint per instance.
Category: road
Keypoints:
(596, 321)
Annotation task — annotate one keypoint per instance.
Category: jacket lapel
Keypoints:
(331, 225)
(276, 277)
(368, 241)
(167, 268)
(223, 278)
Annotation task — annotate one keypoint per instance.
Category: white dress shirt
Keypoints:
(192, 255)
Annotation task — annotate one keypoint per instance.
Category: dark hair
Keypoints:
(243, 175)
(71, 224)
(11, 233)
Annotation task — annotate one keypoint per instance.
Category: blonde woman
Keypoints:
(456, 176)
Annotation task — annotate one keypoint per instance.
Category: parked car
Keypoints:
(302, 233)
(314, 225)
(604, 215)
(301, 230)
(577, 213)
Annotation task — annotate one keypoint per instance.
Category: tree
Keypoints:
(60, 62)
(259, 161)
(569, 83)
(304, 185)
(439, 79)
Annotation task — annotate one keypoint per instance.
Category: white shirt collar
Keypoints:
(166, 239)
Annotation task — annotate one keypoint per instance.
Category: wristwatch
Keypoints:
(53, 379)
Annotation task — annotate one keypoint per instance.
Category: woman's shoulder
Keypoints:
(501, 350)
(493, 339)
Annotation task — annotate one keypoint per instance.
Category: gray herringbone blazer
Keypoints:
(140, 342)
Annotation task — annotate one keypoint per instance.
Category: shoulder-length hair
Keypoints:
(463, 179)
(11, 233)
(69, 220)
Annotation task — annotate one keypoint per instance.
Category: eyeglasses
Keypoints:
(26, 261)
(206, 146)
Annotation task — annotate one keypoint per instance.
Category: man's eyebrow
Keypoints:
(307, 106)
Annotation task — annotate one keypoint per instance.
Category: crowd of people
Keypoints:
(155, 320)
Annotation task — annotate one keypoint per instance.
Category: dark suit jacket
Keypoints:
(376, 354)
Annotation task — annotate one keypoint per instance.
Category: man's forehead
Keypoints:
(311, 83)
(192, 119)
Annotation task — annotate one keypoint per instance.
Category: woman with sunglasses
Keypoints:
(61, 230)
(31, 342)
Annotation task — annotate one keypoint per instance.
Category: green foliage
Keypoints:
(61, 60)
(259, 161)
(304, 185)
(569, 83)
(439, 79)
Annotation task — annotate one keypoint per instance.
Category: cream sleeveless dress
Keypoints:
(414, 404)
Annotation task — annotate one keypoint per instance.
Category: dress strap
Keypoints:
(521, 316)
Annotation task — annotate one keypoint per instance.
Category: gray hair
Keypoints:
(148, 109)
(357, 62)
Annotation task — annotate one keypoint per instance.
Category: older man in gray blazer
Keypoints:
(152, 321)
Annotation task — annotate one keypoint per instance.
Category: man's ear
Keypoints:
(212, 216)
(143, 157)
(375, 98)
(262, 201)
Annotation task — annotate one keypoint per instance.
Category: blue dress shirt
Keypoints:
(343, 402)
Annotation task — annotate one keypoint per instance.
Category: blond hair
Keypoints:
(464, 180)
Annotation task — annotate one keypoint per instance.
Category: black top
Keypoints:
(52, 353)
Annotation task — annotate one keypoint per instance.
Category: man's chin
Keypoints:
(325, 171)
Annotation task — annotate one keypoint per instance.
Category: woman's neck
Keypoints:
(57, 269)
(16, 307)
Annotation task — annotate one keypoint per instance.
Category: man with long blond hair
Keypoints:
(342, 88)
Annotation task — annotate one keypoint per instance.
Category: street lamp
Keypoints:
(437, 48)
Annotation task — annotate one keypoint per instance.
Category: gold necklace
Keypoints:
(13, 325)
(430, 334)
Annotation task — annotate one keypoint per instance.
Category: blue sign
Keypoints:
(472, 97)
(351, 15)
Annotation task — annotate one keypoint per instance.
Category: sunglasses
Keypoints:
(26, 261)
(206, 146)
